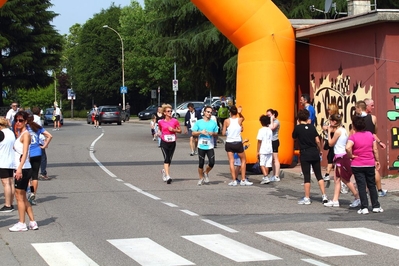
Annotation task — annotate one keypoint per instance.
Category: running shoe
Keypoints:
(265, 180)
(326, 177)
(233, 183)
(18, 227)
(7, 209)
(331, 203)
(33, 225)
(324, 198)
(363, 211)
(378, 209)
(168, 180)
(163, 175)
(355, 203)
(200, 182)
(344, 188)
(245, 182)
(206, 178)
(274, 179)
(304, 201)
(382, 193)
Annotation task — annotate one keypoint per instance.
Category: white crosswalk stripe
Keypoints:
(62, 253)
(310, 244)
(148, 253)
(228, 247)
(372, 236)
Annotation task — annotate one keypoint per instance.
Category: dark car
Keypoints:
(109, 114)
(148, 112)
(48, 117)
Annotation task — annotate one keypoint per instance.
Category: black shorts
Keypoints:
(57, 118)
(234, 147)
(275, 145)
(35, 164)
(6, 172)
(23, 182)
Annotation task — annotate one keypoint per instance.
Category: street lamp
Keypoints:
(123, 64)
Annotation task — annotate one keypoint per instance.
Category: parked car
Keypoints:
(181, 110)
(48, 117)
(89, 115)
(109, 114)
(148, 112)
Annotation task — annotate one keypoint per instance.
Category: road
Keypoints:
(106, 204)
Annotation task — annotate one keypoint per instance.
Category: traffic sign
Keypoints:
(175, 85)
(123, 89)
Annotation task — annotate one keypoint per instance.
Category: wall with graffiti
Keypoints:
(393, 116)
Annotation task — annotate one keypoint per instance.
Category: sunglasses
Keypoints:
(19, 120)
(168, 111)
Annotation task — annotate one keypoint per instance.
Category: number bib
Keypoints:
(169, 138)
(206, 143)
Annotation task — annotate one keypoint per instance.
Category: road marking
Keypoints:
(118, 179)
(133, 187)
(170, 204)
(230, 248)
(221, 226)
(372, 236)
(148, 253)
(139, 190)
(97, 161)
(309, 244)
(315, 262)
(62, 253)
(189, 212)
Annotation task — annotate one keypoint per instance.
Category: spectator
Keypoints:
(332, 110)
(264, 148)
(191, 117)
(11, 113)
(127, 109)
(310, 151)
(305, 102)
(223, 114)
(275, 127)
(57, 115)
(362, 149)
(7, 139)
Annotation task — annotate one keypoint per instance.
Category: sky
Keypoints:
(79, 11)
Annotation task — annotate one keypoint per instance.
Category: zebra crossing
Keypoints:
(147, 252)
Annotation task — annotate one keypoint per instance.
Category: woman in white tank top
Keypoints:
(22, 172)
(232, 128)
(343, 171)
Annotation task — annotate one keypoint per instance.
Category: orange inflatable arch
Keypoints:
(266, 64)
(2, 2)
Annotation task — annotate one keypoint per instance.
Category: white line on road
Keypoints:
(310, 244)
(139, 190)
(230, 248)
(189, 212)
(97, 161)
(148, 253)
(372, 236)
(221, 226)
(315, 262)
(170, 204)
(62, 253)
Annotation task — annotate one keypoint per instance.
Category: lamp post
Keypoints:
(123, 64)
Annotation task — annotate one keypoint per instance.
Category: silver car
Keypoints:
(109, 114)
(181, 110)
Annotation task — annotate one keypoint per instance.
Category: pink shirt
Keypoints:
(363, 149)
(167, 135)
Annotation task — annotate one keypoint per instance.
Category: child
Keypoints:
(153, 125)
(265, 150)
(237, 161)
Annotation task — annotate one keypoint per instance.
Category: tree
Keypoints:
(30, 46)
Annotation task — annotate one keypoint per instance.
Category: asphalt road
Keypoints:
(106, 204)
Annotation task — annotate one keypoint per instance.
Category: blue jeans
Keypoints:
(43, 164)
(365, 176)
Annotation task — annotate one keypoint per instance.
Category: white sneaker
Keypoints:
(200, 182)
(326, 177)
(245, 182)
(331, 203)
(265, 180)
(33, 225)
(163, 175)
(18, 227)
(355, 203)
(324, 199)
(344, 188)
(233, 183)
(378, 209)
(206, 178)
(363, 211)
(274, 179)
(304, 201)
(168, 180)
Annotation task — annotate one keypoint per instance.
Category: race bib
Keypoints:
(193, 121)
(206, 143)
(169, 138)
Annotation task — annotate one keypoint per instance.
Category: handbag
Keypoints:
(53, 118)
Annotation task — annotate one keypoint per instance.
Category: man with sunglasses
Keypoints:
(11, 113)
(205, 129)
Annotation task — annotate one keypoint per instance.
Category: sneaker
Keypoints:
(7, 209)
(274, 179)
(54, 129)
(18, 227)
(31, 197)
(331, 203)
(378, 209)
(33, 225)
(32, 202)
(233, 183)
(200, 182)
(192, 154)
(382, 193)
(168, 180)
(304, 201)
(163, 175)
(206, 178)
(355, 203)
(43, 177)
(324, 199)
(265, 180)
(245, 182)
(196, 152)
(344, 188)
(326, 177)
(363, 211)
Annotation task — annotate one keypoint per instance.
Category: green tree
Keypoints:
(30, 46)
